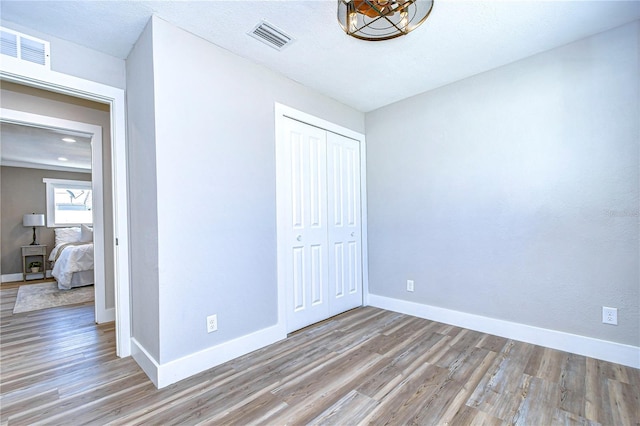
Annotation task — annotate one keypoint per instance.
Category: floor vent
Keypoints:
(271, 35)
(24, 47)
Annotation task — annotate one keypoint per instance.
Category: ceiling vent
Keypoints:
(24, 47)
(271, 35)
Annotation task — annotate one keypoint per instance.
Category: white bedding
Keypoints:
(73, 258)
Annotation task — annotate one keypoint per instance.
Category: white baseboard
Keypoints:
(163, 375)
(107, 315)
(148, 364)
(9, 278)
(601, 349)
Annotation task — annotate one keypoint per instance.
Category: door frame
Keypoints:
(102, 314)
(40, 77)
(282, 112)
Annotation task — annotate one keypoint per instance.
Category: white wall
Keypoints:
(514, 194)
(215, 166)
(79, 61)
(143, 218)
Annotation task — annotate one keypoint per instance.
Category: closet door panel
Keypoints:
(345, 235)
(306, 231)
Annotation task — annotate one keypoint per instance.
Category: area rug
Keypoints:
(34, 297)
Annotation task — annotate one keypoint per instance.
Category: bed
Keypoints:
(72, 257)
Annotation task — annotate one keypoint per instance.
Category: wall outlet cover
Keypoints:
(212, 323)
(610, 315)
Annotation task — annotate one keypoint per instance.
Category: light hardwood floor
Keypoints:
(367, 366)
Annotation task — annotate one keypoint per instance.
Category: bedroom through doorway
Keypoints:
(38, 113)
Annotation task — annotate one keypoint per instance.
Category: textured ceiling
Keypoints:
(460, 38)
(33, 147)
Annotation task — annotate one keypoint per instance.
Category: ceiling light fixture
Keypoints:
(69, 140)
(382, 19)
(63, 159)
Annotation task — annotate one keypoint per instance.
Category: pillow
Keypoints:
(86, 234)
(67, 235)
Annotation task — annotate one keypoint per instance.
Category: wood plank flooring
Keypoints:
(367, 366)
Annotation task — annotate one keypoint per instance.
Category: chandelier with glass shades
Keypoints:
(382, 19)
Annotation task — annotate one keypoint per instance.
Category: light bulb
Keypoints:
(404, 20)
(353, 21)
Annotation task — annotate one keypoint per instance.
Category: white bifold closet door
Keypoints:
(324, 249)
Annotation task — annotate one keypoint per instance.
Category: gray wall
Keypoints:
(143, 215)
(42, 102)
(23, 192)
(514, 194)
(215, 166)
(79, 61)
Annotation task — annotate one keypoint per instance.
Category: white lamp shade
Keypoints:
(33, 220)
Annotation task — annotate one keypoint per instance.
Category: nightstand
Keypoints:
(35, 253)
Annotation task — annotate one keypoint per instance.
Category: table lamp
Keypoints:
(33, 220)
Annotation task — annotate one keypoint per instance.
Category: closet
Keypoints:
(322, 235)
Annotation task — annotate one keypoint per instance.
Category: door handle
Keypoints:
(299, 238)
(353, 234)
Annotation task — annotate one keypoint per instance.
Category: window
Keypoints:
(69, 202)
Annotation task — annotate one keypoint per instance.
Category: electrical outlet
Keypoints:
(610, 315)
(212, 323)
(410, 285)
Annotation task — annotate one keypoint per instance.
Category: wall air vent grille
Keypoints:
(24, 48)
(271, 35)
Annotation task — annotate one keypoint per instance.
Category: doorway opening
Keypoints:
(41, 134)
(79, 88)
